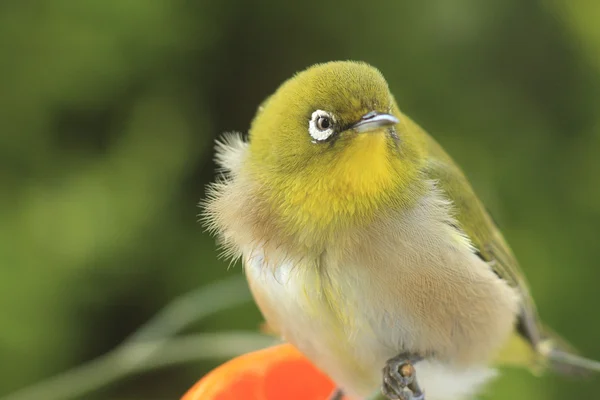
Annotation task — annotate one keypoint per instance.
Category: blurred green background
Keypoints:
(108, 112)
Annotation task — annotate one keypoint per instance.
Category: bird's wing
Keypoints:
(476, 223)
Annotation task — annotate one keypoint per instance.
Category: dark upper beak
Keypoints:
(373, 120)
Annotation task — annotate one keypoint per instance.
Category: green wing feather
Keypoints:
(485, 236)
(476, 223)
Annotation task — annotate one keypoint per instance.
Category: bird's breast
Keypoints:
(408, 283)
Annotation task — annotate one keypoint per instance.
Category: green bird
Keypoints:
(365, 246)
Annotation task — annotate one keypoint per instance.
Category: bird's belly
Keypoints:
(349, 324)
(294, 305)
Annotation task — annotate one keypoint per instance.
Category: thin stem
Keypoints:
(124, 361)
(141, 350)
(192, 307)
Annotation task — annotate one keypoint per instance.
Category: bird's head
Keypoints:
(329, 147)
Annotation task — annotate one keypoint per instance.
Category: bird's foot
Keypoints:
(400, 378)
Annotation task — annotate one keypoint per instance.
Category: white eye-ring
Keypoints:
(321, 125)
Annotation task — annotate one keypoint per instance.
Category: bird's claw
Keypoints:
(400, 379)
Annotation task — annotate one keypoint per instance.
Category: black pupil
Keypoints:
(323, 123)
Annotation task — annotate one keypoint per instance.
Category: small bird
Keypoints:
(365, 246)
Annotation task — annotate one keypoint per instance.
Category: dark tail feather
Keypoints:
(565, 361)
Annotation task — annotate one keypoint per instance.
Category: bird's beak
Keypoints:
(373, 120)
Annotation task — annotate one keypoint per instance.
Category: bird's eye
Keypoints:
(321, 125)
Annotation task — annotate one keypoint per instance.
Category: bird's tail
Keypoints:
(550, 353)
(562, 358)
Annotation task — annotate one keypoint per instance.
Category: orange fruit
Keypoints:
(275, 373)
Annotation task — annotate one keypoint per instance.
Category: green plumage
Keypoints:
(476, 223)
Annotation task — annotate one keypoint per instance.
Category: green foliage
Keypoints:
(108, 110)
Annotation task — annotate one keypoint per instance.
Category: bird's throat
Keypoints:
(344, 191)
